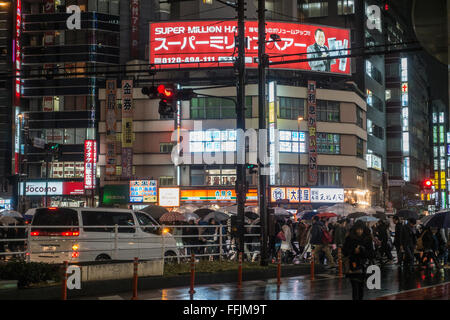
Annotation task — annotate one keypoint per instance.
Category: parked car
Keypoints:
(95, 234)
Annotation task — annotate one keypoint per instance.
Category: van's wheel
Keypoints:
(103, 257)
(170, 257)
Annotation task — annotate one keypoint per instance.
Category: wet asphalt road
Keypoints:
(326, 286)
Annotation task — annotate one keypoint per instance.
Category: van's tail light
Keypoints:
(50, 233)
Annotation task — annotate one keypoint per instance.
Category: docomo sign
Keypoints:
(193, 44)
(54, 188)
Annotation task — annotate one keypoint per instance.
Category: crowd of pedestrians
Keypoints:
(362, 245)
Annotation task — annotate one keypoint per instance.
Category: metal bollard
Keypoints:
(192, 291)
(64, 282)
(312, 265)
(135, 279)
(279, 269)
(340, 261)
(240, 271)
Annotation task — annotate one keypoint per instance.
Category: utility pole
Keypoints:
(241, 184)
(262, 190)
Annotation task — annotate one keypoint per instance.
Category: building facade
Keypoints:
(62, 70)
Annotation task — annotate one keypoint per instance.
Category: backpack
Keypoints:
(281, 236)
(326, 236)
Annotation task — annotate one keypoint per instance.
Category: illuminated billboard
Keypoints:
(143, 191)
(197, 44)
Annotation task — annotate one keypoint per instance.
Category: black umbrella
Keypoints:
(203, 212)
(407, 214)
(155, 211)
(251, 215)
(380, 215)
(216, 215)
(355, 215)
(439, 220)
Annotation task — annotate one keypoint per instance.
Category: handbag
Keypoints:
(281, 236)
(326, 237)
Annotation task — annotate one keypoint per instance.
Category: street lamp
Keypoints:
(299, 120)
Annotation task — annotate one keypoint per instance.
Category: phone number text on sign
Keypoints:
(211, 43)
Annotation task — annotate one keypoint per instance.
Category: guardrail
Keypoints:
(124, 242)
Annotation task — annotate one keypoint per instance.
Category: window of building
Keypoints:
(329, 176)
(314, 8)
(67, 136)
(210, 176)
(378, 132)
(291, 108)
(360, 148)
(360, 181)
(369, 126)
(328, 143)
(166, 181)
(64, 170)
(217, 108)
(395, 169)
(394, 144)
(346, 7)
(328, 111)
(165, 147)
(359, 117)
(289, 175)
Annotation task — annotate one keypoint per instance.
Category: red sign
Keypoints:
(194, 44)
(134, 29)
(17, 53)
(73, 188)
(90, 163)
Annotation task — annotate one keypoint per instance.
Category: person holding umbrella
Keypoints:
(320, 243)
(210, 237)
(358, 251)
(191, 238)
(408, 242)
(397, 239)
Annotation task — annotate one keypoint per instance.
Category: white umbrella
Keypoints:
(379, 209)
(281, 212)
(11, 213)
(187, 208)
(5, 220)
(369, 210)
(343, 209)
(367, 219)
(230, 209)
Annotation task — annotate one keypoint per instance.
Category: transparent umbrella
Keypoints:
(11, 213)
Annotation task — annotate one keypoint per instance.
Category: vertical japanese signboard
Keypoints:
(49, 40)
(134, 29)
(17, 66)
(273, 143)
(111, 127)
(90, 163)
(312, 130)
(127, 128)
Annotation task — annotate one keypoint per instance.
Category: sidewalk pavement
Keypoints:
(326, 286)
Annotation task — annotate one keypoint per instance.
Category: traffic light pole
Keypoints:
(262, 184)
(240, 122)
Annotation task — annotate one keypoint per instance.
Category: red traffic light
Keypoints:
(428, 183)
(166, 92)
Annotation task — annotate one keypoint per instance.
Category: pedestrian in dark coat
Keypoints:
(398, 239)
(408, 242)
(358, 250)
(192, 237)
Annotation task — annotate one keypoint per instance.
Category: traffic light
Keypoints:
(54, 149)
(252, 168)
(428, 183)
(166, 104)
(168, 96)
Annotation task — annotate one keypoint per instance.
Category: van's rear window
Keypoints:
(55, 217)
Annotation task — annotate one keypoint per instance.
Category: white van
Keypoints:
(95, 234)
